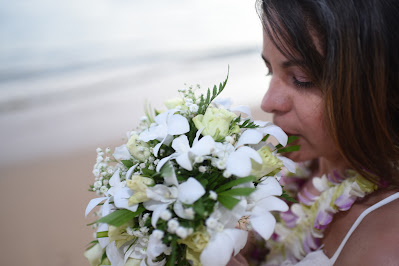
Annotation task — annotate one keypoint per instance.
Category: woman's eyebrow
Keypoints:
(285, 64)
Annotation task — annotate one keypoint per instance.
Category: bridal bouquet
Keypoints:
(188, 185)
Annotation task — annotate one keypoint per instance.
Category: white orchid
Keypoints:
(261, 202)
(225, 238)
(185, 155)
(167, 124)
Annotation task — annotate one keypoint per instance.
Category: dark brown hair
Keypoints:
(356, 70)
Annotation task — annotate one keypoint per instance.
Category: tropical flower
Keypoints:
(216, 123)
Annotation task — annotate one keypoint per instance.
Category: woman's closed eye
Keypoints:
(301, 82)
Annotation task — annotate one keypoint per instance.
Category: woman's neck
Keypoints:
(327, 166)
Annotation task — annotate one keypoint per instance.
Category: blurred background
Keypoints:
(75, 75)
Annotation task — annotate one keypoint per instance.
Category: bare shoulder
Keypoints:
(376, 240)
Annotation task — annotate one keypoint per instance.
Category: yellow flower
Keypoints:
(119, 234)
(139, 185)
(94, 255)
(216, 123)
(138, 149)
(173, 103)
(196, 242)
(270, 163)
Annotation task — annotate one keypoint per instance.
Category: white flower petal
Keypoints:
(268, 187)
(224, 102)
(218, 251)
(270, 204)
(249, 136)
(203, 147)
(276, 132)
(114, 255)
(163, 117)
(92, 204)
(251, 153)
(180, 144)
(115, 180)
(263, 224)
(239, 164)
(130, 171)
(106, 208)
(238, 237)
(122, 153)
(157, 213)
(242, 109)
(155, 247)
(177, 125)
(162, 162)
(121, 199)
(179, 210)
(190, 191)
(184, 161)
(288, 163)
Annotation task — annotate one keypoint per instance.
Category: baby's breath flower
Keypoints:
(158, 234)
(99, 159)
(193, 108)
(211, 223)
(96, 172)
(172, 225)
(213, 195)
(103, 189)
(221, 164)
(97, 184)
(226, 174)
(199, 159)
(181, 232)
(166, 215)
(202, 169)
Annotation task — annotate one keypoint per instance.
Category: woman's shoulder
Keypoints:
(376, 240)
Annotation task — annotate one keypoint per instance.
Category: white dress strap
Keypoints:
(359, 219)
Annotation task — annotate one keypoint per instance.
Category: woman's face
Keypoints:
(297, 105)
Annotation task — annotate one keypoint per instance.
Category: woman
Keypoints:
(334, 67)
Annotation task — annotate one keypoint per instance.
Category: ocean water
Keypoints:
(57, 50)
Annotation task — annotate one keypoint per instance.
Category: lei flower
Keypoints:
(301, 228)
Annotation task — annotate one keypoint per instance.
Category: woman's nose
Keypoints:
(277, 98)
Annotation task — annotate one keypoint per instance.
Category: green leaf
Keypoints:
(102, 234)
(228, 201)
(291, 139)
(148, 172)
(265, 137)
(199, 207)
(288, 197)
(120, 217)
(172, 259)
(241, 191)
(289, 149)
(235, 182)
(127, 163)
(92, 244)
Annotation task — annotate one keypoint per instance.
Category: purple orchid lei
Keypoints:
(300, 229)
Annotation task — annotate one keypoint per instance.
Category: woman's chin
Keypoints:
(298, 156)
